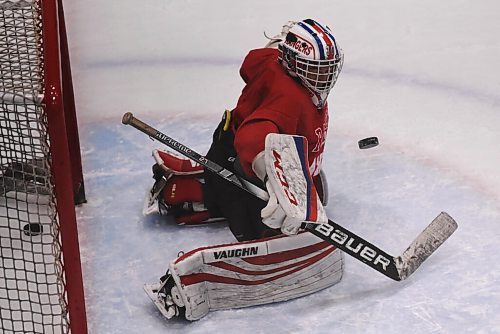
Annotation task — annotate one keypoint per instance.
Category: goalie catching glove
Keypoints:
(293, 199)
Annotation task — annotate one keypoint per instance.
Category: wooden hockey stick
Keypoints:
(397, 268)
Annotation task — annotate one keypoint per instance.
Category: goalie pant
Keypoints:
(254, 273)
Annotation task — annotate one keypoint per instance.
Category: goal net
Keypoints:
(41, 287)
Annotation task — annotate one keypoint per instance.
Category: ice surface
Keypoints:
(422, 76)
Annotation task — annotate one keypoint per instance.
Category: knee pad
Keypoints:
(182, 197)
(178, 189)
(181, 189)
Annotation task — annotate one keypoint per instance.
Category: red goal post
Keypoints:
(41, 179)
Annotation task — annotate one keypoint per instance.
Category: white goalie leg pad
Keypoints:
(254, 273)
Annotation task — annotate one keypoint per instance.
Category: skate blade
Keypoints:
(150, 206)
(152, 292)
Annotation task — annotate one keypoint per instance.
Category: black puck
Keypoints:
(368, 143)
(32, 229)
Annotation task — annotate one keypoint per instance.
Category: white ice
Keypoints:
(423, 76)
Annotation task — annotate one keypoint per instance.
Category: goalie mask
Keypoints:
(309, 52)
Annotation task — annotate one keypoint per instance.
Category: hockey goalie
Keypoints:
(274, 138)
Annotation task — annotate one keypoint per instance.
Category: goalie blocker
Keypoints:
(246, 274)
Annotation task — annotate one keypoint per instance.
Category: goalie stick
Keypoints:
(397, 268)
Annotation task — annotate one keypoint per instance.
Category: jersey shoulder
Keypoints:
(276, 88)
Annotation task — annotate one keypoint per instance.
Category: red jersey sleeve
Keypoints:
(251, 134)
(249, 141)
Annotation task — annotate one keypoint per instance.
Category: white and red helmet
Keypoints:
(309, 52)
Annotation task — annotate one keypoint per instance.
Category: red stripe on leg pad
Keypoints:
(207, 277)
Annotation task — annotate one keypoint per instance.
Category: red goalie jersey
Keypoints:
(274, 102)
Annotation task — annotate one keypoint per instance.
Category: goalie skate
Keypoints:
(151, 203)
(166, 297)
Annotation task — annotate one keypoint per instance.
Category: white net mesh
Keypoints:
(32, 288)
